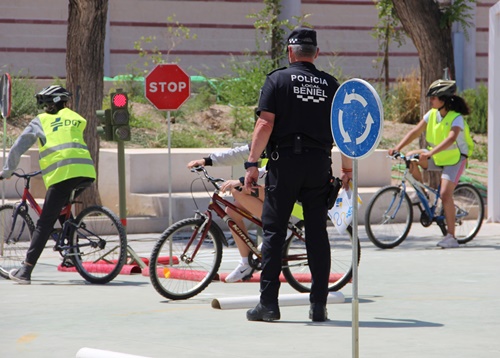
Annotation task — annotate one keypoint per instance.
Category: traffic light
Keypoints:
(120, 118)
(104, 129)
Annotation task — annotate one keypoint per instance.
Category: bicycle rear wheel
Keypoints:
(296, 268)
(388, 217)
(15, 238)
(183, 261)
(100, 244)
(469, 210)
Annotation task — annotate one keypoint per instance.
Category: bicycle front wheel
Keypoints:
(469, 212)
(15, 238)
(388, 217)
(184, 261)
(99, 245)
(296, 268)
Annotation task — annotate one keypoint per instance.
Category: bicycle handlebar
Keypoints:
(24, 176)
(398, 155)
(211, 179)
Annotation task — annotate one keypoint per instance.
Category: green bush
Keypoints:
(244, 120)
(402, 103)
(477, 99)
(242, 88)
(23, 97)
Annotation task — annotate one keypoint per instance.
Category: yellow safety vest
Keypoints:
(64, 155)
(438, 132)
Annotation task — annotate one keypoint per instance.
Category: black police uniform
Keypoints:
(299, 168)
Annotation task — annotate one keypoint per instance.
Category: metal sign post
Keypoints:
(357, 120)
(5, 105)
(169, 143)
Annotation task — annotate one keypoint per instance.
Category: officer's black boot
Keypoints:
(318, 312)
(266, 313)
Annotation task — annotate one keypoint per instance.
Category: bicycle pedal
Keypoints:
(67, 263)
(248, 277)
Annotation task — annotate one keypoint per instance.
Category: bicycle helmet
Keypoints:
(52, 94)
(442, 88)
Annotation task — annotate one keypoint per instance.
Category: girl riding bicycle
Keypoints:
(450, 144)
(251, 201)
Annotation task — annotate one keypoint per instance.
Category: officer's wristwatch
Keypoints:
(251, 164)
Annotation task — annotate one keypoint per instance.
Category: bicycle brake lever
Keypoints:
(197, 168)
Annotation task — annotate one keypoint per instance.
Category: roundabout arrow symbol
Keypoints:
(369, 121)
(343, 132)
(355, 97)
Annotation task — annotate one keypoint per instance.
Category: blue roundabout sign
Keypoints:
(357, 118)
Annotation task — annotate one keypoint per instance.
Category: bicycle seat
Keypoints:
(81, 187)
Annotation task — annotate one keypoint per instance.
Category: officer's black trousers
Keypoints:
(292, 177)
(56, 197)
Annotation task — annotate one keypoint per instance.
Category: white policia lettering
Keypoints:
(309, 79)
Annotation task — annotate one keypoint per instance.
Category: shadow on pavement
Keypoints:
(389, 323)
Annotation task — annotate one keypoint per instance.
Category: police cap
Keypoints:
(302, 36)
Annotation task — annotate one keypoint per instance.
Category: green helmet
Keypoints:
(442, 88)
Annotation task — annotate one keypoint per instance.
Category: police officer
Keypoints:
(65, 162)
(294, 128)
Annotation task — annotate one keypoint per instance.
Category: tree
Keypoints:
(428, 24)
(387, 31)
(422, 21)
(273, 30)
(85, 72)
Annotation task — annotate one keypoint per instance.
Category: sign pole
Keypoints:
(169, 171)
(356, 121)
(122, 195)
(355, 239)
(4, 151)
(5, 104)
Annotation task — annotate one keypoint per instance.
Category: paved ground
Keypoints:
(415, 301)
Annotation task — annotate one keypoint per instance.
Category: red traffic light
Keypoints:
(119, 100)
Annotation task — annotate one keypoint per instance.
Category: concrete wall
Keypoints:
(33, 36)
(147, 180)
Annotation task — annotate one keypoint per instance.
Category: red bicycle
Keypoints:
(188, 255)
(95, 242)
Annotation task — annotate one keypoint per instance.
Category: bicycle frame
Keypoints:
(215, 205)
(27, 198)
(419, 188)
(427, 209)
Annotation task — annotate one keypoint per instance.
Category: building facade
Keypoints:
(33, 37)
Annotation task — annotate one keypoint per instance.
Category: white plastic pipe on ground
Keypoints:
(98, 353)
(298, 299)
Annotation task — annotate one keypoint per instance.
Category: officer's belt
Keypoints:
(299, 141)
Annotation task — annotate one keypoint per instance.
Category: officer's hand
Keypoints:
(196, 163)
(251, 177)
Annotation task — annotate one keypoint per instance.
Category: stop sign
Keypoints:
(167, 87)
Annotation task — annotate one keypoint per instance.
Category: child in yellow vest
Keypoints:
(450, 144)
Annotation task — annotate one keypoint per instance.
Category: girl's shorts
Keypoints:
(449, 172)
